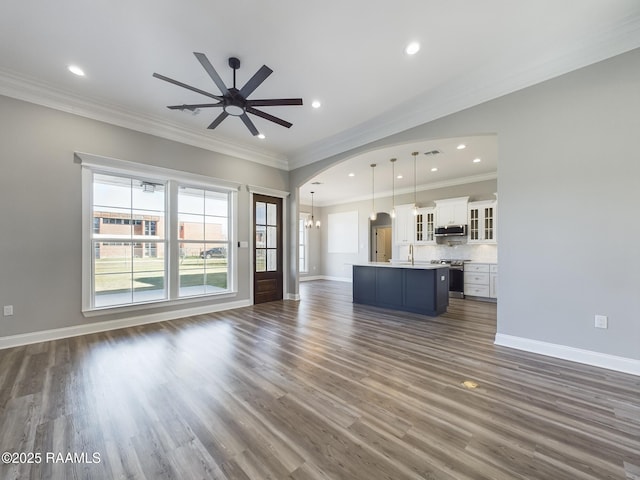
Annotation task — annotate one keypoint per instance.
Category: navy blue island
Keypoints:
(412, 288)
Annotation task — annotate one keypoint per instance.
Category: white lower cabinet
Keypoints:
(493, 281)
(480, 279)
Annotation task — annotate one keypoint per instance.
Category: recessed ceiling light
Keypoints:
(399, 177)
(412, 48)
(434, 169)
(462, 146)
(352, 174)
(477, 160)
(76, 70)
(261, 136)
(316, 104)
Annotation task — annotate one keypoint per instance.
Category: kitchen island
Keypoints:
(412, 288)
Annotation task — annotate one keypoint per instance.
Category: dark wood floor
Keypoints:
(316, 389)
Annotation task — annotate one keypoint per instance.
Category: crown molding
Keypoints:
(486, 83)
(420, 188)
(34, 91)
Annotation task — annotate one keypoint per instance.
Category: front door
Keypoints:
(267, 250)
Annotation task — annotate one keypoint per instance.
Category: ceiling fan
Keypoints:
(234, 102)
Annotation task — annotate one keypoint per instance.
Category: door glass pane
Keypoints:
(272, 260)
(261, 213)
(261, 260)
(272, 237)
(272, 211)
(261, 233)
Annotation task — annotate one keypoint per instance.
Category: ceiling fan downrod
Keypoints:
(234, 63)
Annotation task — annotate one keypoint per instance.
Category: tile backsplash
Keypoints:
(476, 253)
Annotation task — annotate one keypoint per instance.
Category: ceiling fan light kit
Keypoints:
(234, 102)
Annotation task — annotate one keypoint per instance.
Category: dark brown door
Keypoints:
(267, 251)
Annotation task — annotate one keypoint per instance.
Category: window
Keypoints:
(303, 243)
(203, 229)
(123, 273)
(158, 239)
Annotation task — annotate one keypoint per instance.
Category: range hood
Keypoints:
(451, 231)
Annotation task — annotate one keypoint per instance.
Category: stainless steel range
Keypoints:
(456, 275)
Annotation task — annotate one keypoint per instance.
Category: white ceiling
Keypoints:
(455, 166)
(349, 55)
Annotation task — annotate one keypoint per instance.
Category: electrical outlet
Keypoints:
(8, 310)
(601, 321)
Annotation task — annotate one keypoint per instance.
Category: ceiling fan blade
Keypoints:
(255, 81)
(274, 102)
(247, 121)
(204, 61)
(192, 107)
(267, 116)
(218, 120)
(188, 87)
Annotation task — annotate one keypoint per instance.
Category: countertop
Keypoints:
(416, 266)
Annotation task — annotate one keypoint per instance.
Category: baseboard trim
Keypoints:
(596, 359)
(325, 277)
(292, 296)
(97, 327)
(338, 279)
(310, 278)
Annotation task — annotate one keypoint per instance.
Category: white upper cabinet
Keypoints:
(451, 211)
(482, 221)
(425, 226)
(403, 225)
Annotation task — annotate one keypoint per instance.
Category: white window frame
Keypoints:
(303, 233)
(92, 164)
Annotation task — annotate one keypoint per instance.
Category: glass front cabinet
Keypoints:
(482, 221)
(425, 226)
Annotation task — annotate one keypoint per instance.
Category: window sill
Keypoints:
(95, 312)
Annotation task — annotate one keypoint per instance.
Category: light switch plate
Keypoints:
(8, 310)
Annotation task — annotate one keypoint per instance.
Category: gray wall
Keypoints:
(40, 206)
(314, 239)
(568, 175)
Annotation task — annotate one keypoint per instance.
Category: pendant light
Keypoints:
(415, 205)
(392, 213)
(373, 215)
(310, 223)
